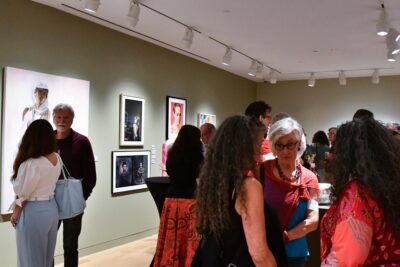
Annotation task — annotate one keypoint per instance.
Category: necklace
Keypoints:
(292, 179)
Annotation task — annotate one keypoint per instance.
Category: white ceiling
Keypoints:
(295, 37)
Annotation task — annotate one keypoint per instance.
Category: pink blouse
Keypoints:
(355, 233)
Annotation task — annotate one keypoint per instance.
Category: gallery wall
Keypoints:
(43, 39)
(329, 104)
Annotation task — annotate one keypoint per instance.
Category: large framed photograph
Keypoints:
(28, 96)
(176, 115)
(131, 125)
(129, 169)
(206, 118)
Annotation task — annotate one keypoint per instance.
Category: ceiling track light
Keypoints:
(227, 58)
(382, 27)
(133, 14)
(391, 42)
(272, 77)
(311, 80)
(92, 5)
(342, 78)
(375, 77)
(394, 34)
(260, 70)
(391, 57)
(253, 68)
(188, 37)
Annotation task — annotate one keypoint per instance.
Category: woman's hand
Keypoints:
(15, 216)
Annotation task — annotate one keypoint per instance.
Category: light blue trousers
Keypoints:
(37, 233)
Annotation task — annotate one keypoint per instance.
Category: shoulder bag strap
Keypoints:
(63, 167)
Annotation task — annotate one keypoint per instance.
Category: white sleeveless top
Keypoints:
(36, 180)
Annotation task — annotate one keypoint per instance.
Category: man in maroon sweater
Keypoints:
(77, 154)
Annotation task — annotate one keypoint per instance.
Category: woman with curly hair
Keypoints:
(362, 226)
(237, 228)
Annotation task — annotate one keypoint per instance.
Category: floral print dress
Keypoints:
(354, 232)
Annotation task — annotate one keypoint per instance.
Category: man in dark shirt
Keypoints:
(261, 111)
(77, 154)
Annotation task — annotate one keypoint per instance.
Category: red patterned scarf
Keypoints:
(284, 196)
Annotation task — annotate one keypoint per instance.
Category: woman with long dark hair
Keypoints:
(236, 228)
(35, 214)
(177, 237)
(362, 226)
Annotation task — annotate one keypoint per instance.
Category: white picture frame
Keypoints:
(206, 118)
(131, 125)
(129, 170)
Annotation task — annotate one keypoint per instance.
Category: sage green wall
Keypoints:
(329, 104)
(43, 39)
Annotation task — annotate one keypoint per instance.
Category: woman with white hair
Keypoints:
(291, 189)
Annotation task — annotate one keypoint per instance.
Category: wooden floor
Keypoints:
(135, 254)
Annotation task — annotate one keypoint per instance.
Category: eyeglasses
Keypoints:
(289, 146)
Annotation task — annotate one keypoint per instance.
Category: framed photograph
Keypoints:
(209, 118)
(176, 115)
(28, 96)
(129, 169)
(131, 125)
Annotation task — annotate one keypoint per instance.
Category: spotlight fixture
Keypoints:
(375, 77)
(342, 78)
(133, 14)
(394, 34)
(227, 58)
(253, 68)
(260, 70)
(272, 77)
(391, 42)
(92, 5)
(311, 80)
(188, 38)
(391, 57)
(382, 27)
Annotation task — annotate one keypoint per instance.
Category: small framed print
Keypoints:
(131, 126)
(206, 118)
(129, 170)
(176, 115)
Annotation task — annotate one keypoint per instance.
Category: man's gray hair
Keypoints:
(63, 106)
(284, 127)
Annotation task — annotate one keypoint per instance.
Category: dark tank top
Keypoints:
(232, 247)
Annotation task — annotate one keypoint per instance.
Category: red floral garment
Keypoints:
(177, 236)
(355, 233)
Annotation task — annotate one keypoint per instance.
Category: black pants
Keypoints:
(72, 229)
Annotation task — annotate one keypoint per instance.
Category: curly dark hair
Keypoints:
(365, 151)
(320, 138)
(230, 156)
(39, 140)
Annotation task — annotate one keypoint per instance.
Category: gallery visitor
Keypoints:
(35, 213)
(77, 154)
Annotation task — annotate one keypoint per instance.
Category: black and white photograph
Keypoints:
(130, 168)
(131, 121)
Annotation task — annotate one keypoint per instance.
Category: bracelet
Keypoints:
(285, 236)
